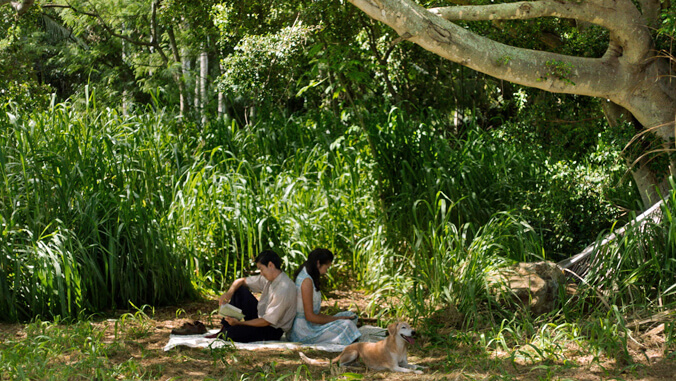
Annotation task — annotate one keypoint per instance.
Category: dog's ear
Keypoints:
(392, 329)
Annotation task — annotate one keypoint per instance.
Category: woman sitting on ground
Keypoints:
(310, 326)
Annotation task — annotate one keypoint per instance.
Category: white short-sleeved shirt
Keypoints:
(277, 304)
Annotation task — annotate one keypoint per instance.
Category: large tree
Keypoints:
(632, 76)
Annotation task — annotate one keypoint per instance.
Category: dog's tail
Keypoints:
(310, 361)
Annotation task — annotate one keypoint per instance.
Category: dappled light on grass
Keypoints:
(112, 348)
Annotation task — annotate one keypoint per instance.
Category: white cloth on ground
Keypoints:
(200, 341)
(369, 334)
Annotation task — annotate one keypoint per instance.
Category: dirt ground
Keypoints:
(144, 342)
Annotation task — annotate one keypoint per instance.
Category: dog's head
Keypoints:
(403, 330)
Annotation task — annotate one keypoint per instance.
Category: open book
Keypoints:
(230, 310)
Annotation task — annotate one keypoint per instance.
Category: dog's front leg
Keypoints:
(406, 370)
(404, 364)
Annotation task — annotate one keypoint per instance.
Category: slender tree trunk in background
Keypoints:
(196, 100)
(125, 103)
(185, 59)
(125, 93)
(204, 71)
(178, 77)
(221, 97)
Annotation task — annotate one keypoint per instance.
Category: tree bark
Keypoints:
(185, 59)
(177, 72)
(650, 188)
(629, 74)
(221, 98)
(204, 70)
(196, 100)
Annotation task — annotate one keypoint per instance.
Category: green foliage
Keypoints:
(640, 265)
(559, 70)
(258, 69)
(19, 78)
(290, 189)
(83, 198)
(486, 173)
(447, 265)
(52, 350)
(408, 207)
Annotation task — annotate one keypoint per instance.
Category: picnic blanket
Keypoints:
(369, 334)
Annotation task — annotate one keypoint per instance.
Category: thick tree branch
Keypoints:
(629, 74)
(624, 21)
(66, 6)
(154, 39)
(651, 12)
(543, 70)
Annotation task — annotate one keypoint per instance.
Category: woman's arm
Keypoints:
(310, 315)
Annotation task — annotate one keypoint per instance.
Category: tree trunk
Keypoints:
(630, 73)
(196, 99)
(125, 93)
(221, 99)
(650, 188)
(204, 71)
(178, 77)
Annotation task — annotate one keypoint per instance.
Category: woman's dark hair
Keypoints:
(323, 256)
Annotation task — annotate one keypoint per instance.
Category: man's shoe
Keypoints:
(222, 334)
(196, 328)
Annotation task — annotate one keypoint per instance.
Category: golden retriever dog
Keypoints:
(387, 354)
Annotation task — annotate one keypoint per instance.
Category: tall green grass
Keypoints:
(637, 272)
(459, 206)
(487, 172)
(99, 209)
(290, 188)
(83, 200)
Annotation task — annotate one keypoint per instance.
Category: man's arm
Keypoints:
(225, 298)
(258, 322)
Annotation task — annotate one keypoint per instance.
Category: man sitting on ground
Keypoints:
(269, 317)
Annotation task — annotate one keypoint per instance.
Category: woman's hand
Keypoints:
(345, 317)
(306, 290)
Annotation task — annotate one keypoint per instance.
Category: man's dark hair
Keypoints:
(267, 256)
